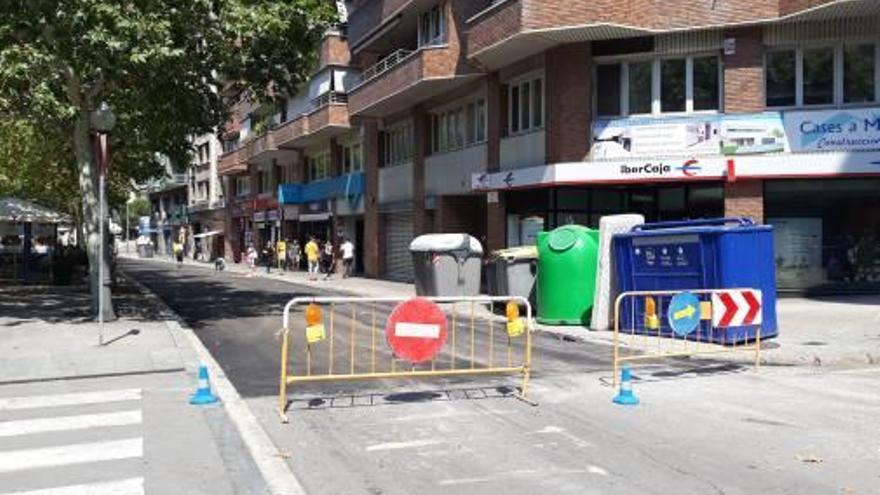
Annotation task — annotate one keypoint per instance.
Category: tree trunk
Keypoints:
(88, 186)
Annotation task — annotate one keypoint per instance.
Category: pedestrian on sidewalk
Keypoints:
(293, 256)
(312, 256)
(251, 257)
(327, 259)
(281, 254)
(347, 249)
(177, 249)
(268, 256)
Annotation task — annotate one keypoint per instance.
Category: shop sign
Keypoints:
(834, 130)
(315, 207)
(272, 215)
(259, 216)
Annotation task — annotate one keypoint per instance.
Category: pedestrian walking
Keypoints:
(268, 256)
(177, 249)
(347, 249)
(252, 260)
(281, 254)
(327, 259)
(312, 256)
(293, 256)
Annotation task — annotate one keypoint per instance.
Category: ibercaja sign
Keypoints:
(646, 169)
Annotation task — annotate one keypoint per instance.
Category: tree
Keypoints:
(158, 63)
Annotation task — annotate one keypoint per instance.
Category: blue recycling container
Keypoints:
(718, 253)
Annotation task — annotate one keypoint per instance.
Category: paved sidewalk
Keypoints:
(842, 331)
(77, 416)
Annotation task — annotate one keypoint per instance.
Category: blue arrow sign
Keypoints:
(684, 313)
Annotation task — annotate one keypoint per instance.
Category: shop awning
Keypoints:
(208, 234)
(19, 210)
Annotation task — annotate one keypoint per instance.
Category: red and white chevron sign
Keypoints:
(736, 308)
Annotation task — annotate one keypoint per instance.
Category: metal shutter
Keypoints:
(398, 235)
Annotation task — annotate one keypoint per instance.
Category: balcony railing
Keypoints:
(386, 64)
(328, 98)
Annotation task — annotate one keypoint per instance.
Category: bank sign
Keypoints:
(833, 130)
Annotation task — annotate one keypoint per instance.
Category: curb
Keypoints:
(276, 473)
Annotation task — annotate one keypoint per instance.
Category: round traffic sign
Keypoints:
(416, 330)
(684, 313)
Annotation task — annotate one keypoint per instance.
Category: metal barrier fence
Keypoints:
(647, 338)
(346, 343)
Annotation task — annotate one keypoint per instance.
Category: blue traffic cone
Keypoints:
(626, 397)
(203, 394)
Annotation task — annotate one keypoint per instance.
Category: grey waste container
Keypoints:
(515, 270)
(145, 250)
(447, 264)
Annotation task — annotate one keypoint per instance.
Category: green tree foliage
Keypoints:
(163, 65)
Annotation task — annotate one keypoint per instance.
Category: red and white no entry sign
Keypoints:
(416, 330)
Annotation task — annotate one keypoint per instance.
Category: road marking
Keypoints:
(132, 486)
(403, 445)
(68, 423)
(40, 401)
(17, 460)
(522, 473)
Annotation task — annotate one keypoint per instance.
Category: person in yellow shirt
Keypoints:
(281, 254)
(312, 256)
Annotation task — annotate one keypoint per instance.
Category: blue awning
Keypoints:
(345, 186)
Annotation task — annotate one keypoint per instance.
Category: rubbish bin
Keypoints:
(514, 272)
(447, 264)
(567, 261)
(718, 253)
(145, 250)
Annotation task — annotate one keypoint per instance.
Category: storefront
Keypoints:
(826, 233)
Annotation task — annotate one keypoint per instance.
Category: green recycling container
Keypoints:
(567, 262)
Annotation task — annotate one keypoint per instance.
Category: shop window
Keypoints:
(526, 105)
(459, 126)
(823, 75)
(667, 85)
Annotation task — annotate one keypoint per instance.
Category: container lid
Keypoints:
(562, 239)
(517, 253)
(444, 243)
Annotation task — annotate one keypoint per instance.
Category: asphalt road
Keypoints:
(709, 427)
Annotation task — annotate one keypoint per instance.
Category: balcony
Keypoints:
(374, 17)
(233, 162)
(345, 186)
(405, 78)
(327, 118)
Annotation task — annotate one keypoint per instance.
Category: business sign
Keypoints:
(645, 136)
(834, 130)
(753, 134)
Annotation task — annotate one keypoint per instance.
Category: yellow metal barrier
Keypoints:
(301, 345)
(646, 339)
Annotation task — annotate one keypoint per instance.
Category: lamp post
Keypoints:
(102, 120)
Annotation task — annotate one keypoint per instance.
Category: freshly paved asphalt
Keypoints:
(714, 428)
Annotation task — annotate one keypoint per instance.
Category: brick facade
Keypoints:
(373, 228)
(568, 79)
(744, 198)
(334, 51)
(744, 72)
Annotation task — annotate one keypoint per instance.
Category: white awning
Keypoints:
(19, 210)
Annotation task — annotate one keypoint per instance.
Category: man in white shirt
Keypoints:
(347, 249)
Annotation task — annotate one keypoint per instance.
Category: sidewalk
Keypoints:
(115, 418)
(837, 331)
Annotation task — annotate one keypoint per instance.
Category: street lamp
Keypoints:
(102, 120)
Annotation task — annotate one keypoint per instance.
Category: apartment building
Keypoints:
(501, 118)
(206, 209)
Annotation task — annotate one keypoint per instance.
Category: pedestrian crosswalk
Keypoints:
(70, 431)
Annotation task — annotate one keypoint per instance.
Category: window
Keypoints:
(780, 78)
(242, 186)
(431, 27)
(526, 105)
(319, 166)
(459, 126)
(859, 66)
(818, 76)
(263, 182)
(822, 75)
(659, 85)
(398, 141)
(352, 158)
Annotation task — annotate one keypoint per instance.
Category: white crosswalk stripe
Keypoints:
(93, 443)
(132, 486)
